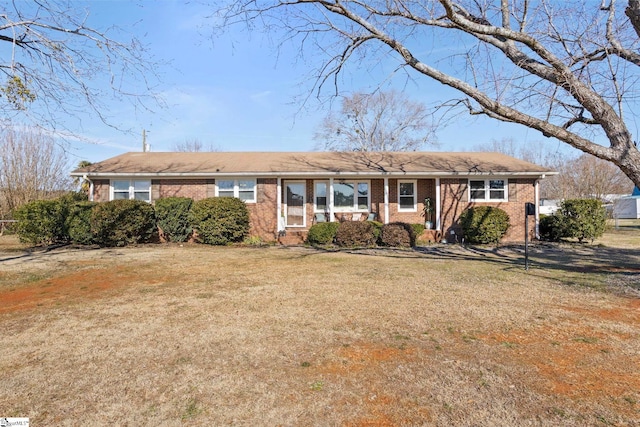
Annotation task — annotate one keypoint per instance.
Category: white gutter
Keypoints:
(318, 175)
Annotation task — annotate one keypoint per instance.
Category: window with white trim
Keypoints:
(320, 201)
(132, 189)
(488, 190)
(407, 200)
(351, 196)
(243, 189)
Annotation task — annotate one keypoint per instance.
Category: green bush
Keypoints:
(78, 223)
(577, 218)
(41, 222)
(377, 230)
(418, 229)
(551, 227)
(583, 218)
(172, 214)
(322, 233)
(484, 224)
(355, 234)
(398, 234)
(220, 220)
(123, 222)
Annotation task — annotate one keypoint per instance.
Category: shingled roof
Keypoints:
(310, 164)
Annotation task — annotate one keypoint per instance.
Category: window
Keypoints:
(320, 196)
(351, 196)
(243, 189)
(131, 189)
(488, 190)
(407, 196)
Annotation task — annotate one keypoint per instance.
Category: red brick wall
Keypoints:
(454, 197)
(197, 189)
(101, 190)
(264, 214)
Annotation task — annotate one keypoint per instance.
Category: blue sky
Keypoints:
(237, 94)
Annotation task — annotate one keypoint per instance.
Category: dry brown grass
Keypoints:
(193, 335)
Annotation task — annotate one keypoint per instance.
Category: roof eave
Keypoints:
(305, 174)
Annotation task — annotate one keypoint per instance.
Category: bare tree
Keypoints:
(55, 66)
(590, 177)
(193, 145)
(382, 121)
(32, 167)
(564, 68)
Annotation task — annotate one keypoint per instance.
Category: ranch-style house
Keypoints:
(288, 192)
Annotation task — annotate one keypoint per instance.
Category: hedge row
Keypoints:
(69, 218)
(363, 234)
(480, 225)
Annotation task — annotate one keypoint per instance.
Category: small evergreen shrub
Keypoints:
(355, 233)
(41, 222)
(172, 214)
(398, 234)
(551, 227)
(123, 222)
(484, 224)
(377, 230)
(577, 218)
(78, 223)
(418, 229)
(220, 220)
(323, 233)
(583, 218)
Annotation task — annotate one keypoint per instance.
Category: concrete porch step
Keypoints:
(293, 238)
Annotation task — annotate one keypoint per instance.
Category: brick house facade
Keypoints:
(286, 193)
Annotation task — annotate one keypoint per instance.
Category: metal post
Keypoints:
(526, 242)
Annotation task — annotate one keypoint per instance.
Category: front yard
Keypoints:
(443, 335)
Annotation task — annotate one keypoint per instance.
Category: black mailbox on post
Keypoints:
(529, 209)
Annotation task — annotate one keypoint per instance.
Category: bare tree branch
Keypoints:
(61, 65)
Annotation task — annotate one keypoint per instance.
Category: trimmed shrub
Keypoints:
(220, 220)
(377, 230)
(355, 233)
(78, 223)
(172, 214)
(577, 218)
(398, 234)
(41, 222)
(583, 218)
(123, 222)
(323, 233)
(418, 229)
(484, 224)
(551, 228)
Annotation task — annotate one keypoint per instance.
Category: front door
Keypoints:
(295, 203)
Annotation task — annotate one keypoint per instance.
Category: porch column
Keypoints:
(279, 205)
(332, 217)
(386, 201)
(536, 188)
(438, 224)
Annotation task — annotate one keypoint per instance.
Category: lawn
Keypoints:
(443, 335)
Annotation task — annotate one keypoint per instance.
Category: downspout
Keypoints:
(86, 178)
(386, 200)
(438, 209)
(279, 206)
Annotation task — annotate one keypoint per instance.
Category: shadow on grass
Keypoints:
(569, 264)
